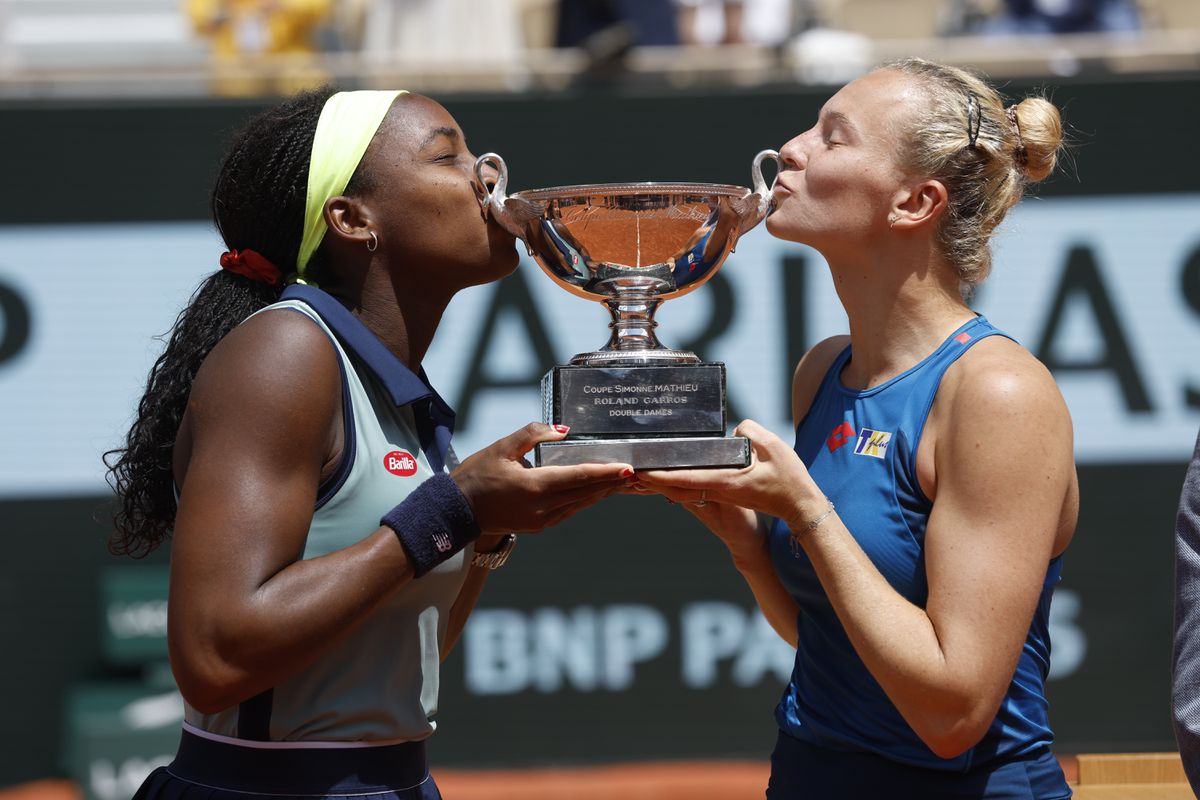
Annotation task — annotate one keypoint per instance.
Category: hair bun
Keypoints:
(1038, 128)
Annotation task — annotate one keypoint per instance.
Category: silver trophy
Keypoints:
(631, 246)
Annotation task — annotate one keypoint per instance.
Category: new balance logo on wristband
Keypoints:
(442, 541)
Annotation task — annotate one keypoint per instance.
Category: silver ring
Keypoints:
(701, 503)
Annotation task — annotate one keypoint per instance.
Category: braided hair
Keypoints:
(257, 204)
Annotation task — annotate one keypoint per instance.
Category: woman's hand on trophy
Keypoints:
(775, 483)
(506, 494)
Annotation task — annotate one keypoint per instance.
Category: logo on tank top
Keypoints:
(400, 462)
(841, 434)
(872, 443)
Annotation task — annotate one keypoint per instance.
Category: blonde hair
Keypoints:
(984, 153)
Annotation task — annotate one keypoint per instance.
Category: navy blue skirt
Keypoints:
(802, 771)
(205, 769)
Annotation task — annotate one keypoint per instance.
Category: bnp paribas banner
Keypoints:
(626, 633)
(1106, 291)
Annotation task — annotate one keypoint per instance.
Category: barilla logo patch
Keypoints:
(872, 443)
(963, 338)
(400, 462)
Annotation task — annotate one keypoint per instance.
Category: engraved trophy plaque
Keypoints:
(632, 246)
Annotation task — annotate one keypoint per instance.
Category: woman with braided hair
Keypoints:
(909, 543)
(327, 546)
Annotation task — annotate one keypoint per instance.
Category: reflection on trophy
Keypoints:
(631, 246)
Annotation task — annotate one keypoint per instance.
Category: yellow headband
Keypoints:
(348, 122)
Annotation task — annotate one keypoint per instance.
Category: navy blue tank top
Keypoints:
(861, 449)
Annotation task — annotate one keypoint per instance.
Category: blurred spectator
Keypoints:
(7, 59)
(438, 30)
(732, 12)
(250, 38)
(641, 22)
(1021, 17)
(766, 22)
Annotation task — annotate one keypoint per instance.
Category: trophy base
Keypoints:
(646, 401)
(691, 452)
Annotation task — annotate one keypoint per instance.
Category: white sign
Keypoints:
(600, 649)
(1106, 290)
(80, 306)
(1094, 286)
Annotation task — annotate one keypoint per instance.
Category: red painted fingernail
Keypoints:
(562, 428)
(627, 472)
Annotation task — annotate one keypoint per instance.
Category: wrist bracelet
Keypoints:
(808, 527)
(433, 523)
(496, 558)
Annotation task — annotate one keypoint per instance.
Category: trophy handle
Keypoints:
(492, 202)
(511, 213)
(760, 185)
(759, 201)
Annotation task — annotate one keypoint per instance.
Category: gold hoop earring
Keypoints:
(373, 245)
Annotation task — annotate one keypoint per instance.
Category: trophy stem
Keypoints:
(633, 322)
(632, 304)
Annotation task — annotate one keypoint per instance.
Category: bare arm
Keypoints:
(1004, 470)
(246, 612)
(468, 596)
(745, 534)
(591, 482)
(743, 530)
(1005, 486)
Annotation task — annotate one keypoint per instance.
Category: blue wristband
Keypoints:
(433, 523)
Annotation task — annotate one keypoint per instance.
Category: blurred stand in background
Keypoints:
(261, 47)
(6, 55)
(1046, 17)
(733, 22)
(445, 32)
(170, 48)
(649, 23)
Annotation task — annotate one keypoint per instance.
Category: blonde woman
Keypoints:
(909, 543)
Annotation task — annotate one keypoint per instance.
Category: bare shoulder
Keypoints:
(278, 363)
(811, 370)
(999, 376)
(998, 409)
(1000, 430)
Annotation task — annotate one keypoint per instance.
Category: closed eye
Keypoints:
(837, 128)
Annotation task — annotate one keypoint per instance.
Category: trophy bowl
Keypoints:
(629, 245)
(632, 246)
